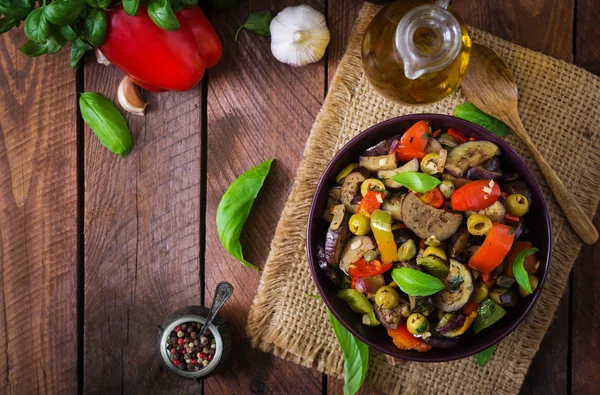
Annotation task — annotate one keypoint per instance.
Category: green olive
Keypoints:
(359, 224)
(417, 324)
(387, 297)
(407, 251)
(429, 164)
(447, 188)
(371, 255)
(517, 205)
(479, 225)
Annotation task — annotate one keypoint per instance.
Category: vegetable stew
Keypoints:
(427, 237)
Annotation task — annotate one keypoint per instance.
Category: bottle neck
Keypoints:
(428, 39)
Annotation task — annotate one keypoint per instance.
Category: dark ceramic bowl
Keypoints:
(377, 338)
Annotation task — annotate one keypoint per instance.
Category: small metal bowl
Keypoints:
(219, 329)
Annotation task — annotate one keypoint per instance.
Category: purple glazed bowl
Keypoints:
(538, 219)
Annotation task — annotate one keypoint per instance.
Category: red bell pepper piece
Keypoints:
(458, 136)
(362, 268)
(469, 308)
(511, 219)
(157, 59)
(404, 340)
(412, 143)
(371, 202)
(434, 198)
(488, 280)
(476, 195)
(496, 245)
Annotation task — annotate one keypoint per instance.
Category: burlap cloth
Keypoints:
(559, 105)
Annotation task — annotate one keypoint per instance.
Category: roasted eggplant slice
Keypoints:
(469, 154)
(376, 163)
(427, 221)
(354, 250)
(438, 341)
(336, 236)
(449, 300)
(350, 188)
(390, 318)
(506, 297)
(333, 198)
(394, 206)
(335, 275)
(382, 148)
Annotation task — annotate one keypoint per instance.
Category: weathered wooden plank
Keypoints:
(142, 234)
(585, 324)
(38, 226)
(258, 108)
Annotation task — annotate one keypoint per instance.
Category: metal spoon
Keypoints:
(490, 86)
(223, 291)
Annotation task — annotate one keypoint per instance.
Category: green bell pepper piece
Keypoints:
(488, 313)
(357, 301)
(370, 319)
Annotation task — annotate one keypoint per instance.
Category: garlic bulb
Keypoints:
(299, 35)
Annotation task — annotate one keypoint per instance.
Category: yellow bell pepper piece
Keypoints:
(381, 225)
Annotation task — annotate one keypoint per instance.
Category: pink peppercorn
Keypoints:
(180, 342)
(202, 355)
(176, 362)
(210, 357)
(173, 351)
(194, 361)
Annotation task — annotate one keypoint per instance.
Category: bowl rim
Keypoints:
(415, 356)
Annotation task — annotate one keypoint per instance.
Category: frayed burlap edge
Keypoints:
(267, 322)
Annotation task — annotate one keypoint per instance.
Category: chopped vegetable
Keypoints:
(446, 188)
(496, 245)
(434, 266)
(488, 314)
(371, 184)
(476, 195)
(345, 171)
(479, 225)
(371, 202)
(433, 198)
(461, 138)
(363, 268)
(517, 205)
(381, 225)
(469, 154)
(531, 261)
(407, 251)
(519, 269)
(483, 356)
(387, 297)
(404, 340)
(357, 301)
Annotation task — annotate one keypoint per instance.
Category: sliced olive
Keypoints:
(429, 164)
(371, 184)
(434, 266)
(435, 251)
(359, 224)
(447, 188)
(407, 251)
(517, 205)
(479, 225)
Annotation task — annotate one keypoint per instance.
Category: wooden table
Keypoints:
(97, 249)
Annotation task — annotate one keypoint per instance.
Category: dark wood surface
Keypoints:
(95, 250)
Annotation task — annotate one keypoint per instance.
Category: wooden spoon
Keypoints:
(489, 85)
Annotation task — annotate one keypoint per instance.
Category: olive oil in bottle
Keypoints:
(416, 51)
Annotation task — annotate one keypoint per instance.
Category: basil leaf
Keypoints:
(31, 48)
(483, 356)
(191, 3)
(469, 112)
(103, 4)
(68, 32)
(131, 7)
(177, 5)
(94, 27)
(519, 269)
(16, 9)
(63, 12)
(163, 16)
(6, 24)
(78, 49)
(356, 357)
(416, 283)
(106, 122)
(257, 22)
(416, 181)
(36, 26)
(235, 206)
(313, 296)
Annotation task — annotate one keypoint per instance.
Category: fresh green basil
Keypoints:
(416, 181)
(519, 269)
(63, 12)
(131, 7)
(191, 3)
(78, 49)
(36, 26)
(68, 32)
(469, 112)
(106, 122)
(6, 24)
(356, 357)
(51, 46)
(257, 22)
(415, 283)
(483, 356)
(162, 14)
(177, 5)
(95, 27)
(103, 4)
(235, 206)
(16, 9)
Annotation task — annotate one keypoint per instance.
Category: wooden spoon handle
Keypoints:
(577, 218)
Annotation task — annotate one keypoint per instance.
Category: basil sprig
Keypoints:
(257, 22)
(415, 283)
(356, 357)
(54, 23)
(483, 356)
(106, 122)
(416, 181)
(235, 206)
(519, 269)
(469, 112)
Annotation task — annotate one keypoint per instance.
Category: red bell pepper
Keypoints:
(461, 138)
(412, 143)
(157, 59)
(371, 202)
(476, 195)
(404, 340)
(362, 268)
(496, 245)
(433, 198)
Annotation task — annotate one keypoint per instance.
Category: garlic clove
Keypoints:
(100, 58)
(299, 35)
(130, 97)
